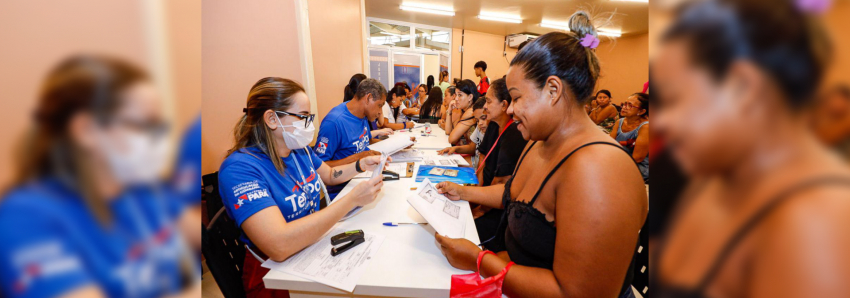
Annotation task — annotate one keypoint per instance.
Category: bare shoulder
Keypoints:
(607, 160)
(804, 244)
(594, 171)
(824, 208)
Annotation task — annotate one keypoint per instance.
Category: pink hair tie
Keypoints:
(590, 41)
(817, 7)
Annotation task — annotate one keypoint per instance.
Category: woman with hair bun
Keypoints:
(767, 212)
(565, 232)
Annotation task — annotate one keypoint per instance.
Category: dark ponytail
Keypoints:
(562, 55)
(351, 88)
(468, 87)
(398, 91)
(500, 89)
(777, 36)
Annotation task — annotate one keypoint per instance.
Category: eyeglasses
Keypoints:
(629, 105)
(308, 118)
(153, 127)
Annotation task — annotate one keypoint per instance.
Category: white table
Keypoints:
(408, 264)
(436, 140)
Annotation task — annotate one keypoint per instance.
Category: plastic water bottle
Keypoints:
(428, 128)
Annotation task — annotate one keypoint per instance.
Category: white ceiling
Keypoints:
(630, 18)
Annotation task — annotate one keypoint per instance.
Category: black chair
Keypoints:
(222, 249)
(641, 274)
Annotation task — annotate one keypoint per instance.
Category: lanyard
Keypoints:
(481, 164)
(303, 180)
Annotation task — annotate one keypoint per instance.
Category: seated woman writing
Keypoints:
(395, 112)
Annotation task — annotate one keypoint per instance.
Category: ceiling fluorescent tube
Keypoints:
(497, 18)
(444, 12)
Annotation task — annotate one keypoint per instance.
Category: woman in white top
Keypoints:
(394, 111)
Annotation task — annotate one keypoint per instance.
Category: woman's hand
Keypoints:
(366, 192)
(371, 162)
(449, 189)
(383, 132)
(452, 105)
(448, 150)
(461, 253)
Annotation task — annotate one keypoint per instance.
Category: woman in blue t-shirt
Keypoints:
(632, 131)
(271, 179)
(89, 215)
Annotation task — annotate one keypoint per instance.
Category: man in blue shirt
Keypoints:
(345, 132)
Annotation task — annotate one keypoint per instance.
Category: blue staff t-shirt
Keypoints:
(342, 135)
(249, 182)
(187, 172)
(53, 244)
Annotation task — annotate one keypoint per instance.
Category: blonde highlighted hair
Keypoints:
(270, 93)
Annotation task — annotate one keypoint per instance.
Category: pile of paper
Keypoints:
(453, 160)
(409, 155)
(391, 145)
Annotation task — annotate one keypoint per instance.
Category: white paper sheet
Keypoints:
(409, 155)
(442, 213)
(453, 160)
(393, 144)
(380, 167)
(342, 271)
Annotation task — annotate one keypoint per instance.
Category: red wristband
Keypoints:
(481, 257)
(502, 273)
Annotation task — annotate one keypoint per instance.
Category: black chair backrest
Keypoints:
(222, 249)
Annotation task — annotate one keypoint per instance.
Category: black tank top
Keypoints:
(526, 234)
(667, 291)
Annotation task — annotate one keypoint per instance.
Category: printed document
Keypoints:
(342, 271)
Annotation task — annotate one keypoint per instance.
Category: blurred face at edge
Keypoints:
(708, 123)
(133, 145)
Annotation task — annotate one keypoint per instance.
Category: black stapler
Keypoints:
(390, 175)
(350, 238)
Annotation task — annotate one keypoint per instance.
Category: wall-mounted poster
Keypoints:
(406, 67)
(444, 62)
(379, 66)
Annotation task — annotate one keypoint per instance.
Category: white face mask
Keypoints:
(141, 160)
(299, 138)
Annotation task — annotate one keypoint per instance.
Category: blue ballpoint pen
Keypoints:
(395, 224)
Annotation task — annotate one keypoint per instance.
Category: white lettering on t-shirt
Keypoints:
(291, 200)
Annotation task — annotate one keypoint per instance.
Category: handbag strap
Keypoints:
(481, 164)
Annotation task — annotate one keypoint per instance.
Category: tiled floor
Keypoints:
(209, 289)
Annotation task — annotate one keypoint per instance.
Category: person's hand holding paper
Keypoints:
(365, 193)
(449, 189)
(440, 212)
(371, 162)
